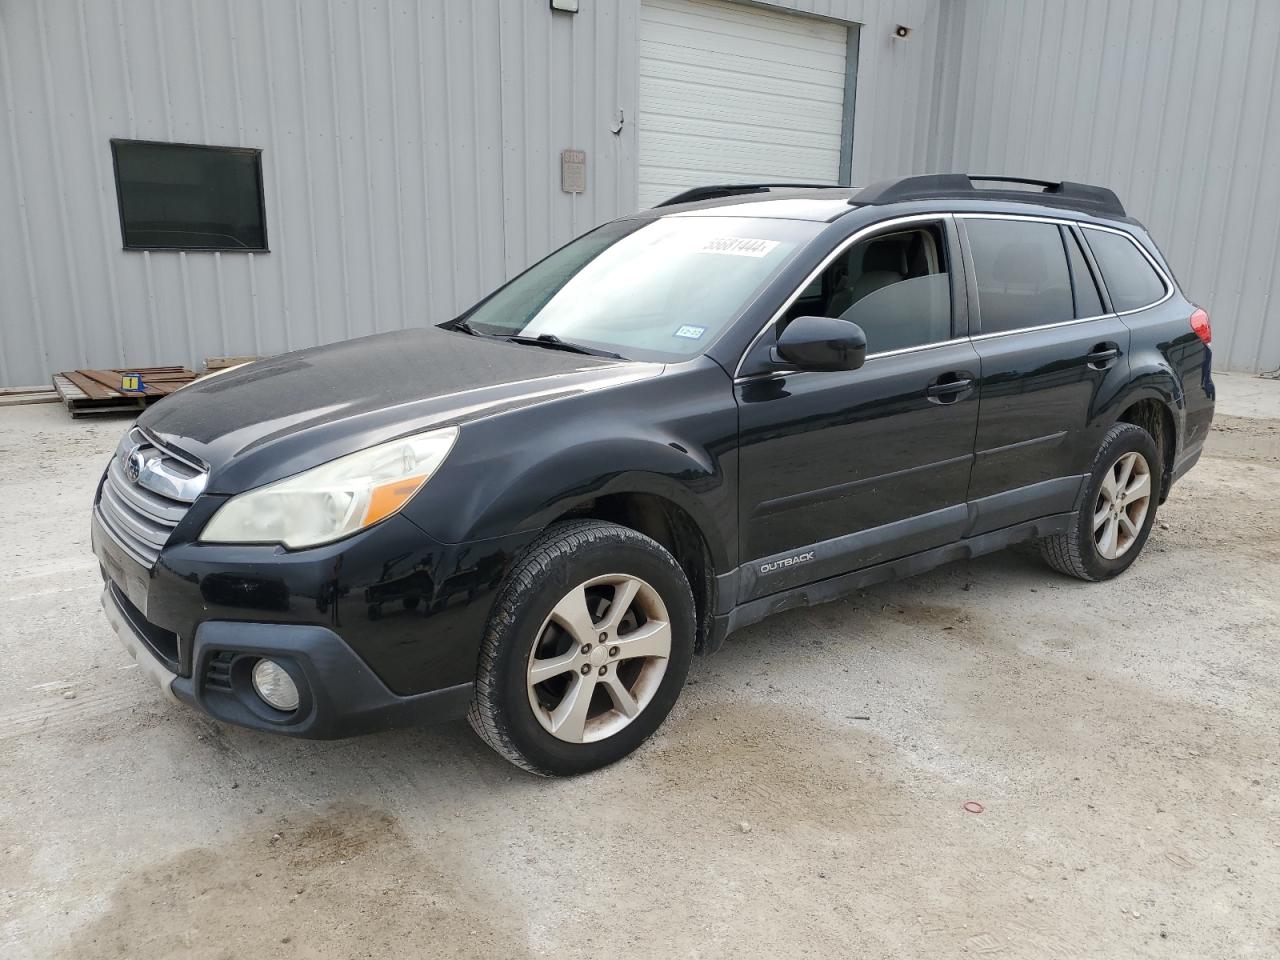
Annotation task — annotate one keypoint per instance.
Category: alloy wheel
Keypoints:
(1122, 505)
(599, 658)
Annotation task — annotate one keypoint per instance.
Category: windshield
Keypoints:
(646, 289)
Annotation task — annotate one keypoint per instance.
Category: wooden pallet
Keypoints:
(16, 396)
(100, 391)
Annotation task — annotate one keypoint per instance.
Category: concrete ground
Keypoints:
(805, 798)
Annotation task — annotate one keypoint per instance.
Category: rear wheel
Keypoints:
(586, 651)
(1117, 511)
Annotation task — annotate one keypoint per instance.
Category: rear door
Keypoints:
(1051, 353)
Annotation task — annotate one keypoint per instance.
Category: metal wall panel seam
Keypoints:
(479, 280)
(28, 251)
(526, 171)
(128, 78)
(183, 272)
(102, 189)
(1274, 259)
(277, 229)
(449, 125)
(237, 98)
(253, 305)
(1155, 178)
(338, 183)
(1184, 154)
(1101, 143)
(306, 164)
(402, 312)
(550, 132)
(157, 21)
(1199, 217)
(152, 320)
(199, 72)
(1248, 199)
(368, 169)
(428, 264)
(68, 258)
(221, 297)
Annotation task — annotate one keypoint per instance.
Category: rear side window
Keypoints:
(1131, 280)
(1021, 274)
(1088, 303)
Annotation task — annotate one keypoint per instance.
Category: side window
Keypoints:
(1131, 280)
(1021, 274)
(896, 286)
(1088, 302)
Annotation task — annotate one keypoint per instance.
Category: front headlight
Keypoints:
(335, 499)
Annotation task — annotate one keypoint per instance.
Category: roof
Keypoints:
(825, 204)
(820, 205)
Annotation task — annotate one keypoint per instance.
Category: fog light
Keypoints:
(274, 685)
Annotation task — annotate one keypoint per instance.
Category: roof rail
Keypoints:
(716, 191)
(959, 186)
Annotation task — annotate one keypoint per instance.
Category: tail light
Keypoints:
(1200, 325)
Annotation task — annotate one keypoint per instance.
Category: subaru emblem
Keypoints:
(133, 465)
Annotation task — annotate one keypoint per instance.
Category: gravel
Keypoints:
(805, 798)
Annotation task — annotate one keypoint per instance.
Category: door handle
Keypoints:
(949, 387)
(1103, 355)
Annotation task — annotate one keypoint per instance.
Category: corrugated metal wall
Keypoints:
(410, 158)
(1175, 104)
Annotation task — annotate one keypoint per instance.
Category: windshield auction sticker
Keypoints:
(738, 246)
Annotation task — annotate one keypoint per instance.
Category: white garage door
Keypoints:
(731, 93)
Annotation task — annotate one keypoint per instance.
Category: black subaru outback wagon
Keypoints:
(746, 400)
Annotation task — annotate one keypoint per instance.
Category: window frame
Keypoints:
(1161, 275)
(1071, 235)
(957, 269)
(976, 308)
(253, 152)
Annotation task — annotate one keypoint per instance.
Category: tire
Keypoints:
(1084, 550)
(532, 633)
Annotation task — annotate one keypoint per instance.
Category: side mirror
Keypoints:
(821, 343)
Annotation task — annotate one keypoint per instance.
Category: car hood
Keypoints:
(276, 417)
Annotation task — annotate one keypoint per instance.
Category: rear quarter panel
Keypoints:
(1168, 360)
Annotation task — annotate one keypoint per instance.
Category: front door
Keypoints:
(842, 470)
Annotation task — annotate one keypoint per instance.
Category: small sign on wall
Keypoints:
(573, 171)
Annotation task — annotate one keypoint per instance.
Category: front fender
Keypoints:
(670, 437)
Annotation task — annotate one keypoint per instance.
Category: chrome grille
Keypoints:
(140, 514)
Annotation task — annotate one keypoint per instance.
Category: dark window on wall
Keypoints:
(176, 196)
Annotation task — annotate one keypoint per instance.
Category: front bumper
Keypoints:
(378, 631)
(340, 695)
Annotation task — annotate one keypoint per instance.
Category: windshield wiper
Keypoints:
(466, 328)
(551, 341)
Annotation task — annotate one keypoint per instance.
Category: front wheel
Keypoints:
(586, 651)
(1117, 511)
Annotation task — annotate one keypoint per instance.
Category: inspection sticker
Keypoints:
(738, 246)
(691, 332)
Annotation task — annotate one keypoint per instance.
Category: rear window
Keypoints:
(1131, 280)
(1021, 273)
